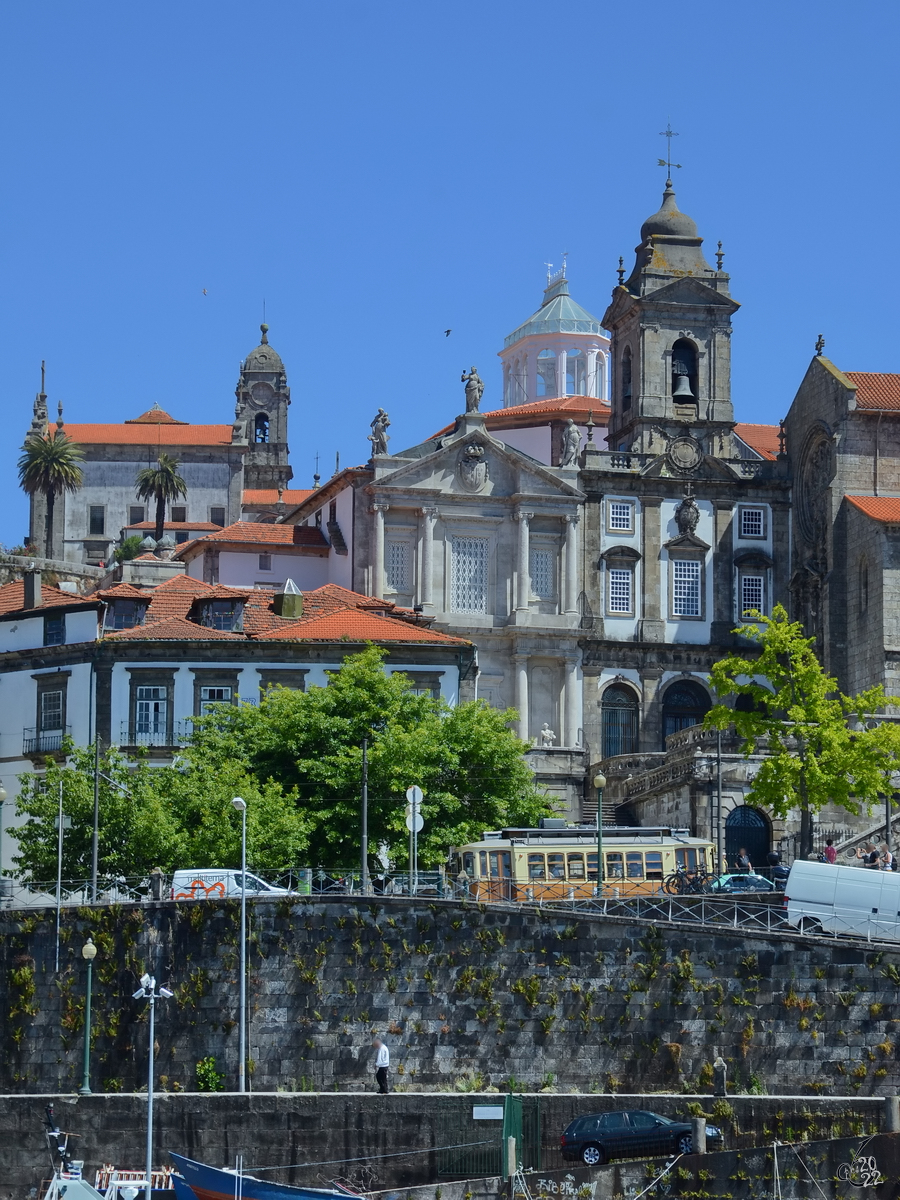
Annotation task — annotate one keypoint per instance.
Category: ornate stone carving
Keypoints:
(474, 389)
(472, 468)
(547, 736)
(379, 436)
(571, 442)
(684, 453)
(687, 515)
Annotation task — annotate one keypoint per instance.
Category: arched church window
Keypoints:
(619, 721)
(546, 373)
(261, 428)
(575, 373)
(684, 372)
(684, 704)
(626, 378)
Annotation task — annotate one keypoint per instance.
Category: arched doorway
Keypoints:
(684, 704)
(619, 716)
(748, 827)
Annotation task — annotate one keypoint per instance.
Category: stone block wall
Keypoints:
(459, 992)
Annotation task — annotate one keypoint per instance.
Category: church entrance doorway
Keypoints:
(749, 828)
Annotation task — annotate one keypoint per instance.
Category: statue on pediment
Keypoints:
(571, 443)
(474, 389)
(379, 435)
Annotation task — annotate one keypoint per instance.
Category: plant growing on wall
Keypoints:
(818, 747)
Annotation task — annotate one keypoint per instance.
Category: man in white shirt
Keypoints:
(382, 1063)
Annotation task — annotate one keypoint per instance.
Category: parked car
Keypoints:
(215, 884)
(629, 1133)
(733, 884)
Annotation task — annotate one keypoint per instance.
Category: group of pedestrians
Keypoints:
(876, 858)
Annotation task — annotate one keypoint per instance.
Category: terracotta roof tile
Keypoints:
(876, 390)
(270, 495)
(879, 508)
(576, 407)
(347, 624)
(761, 438)
(176, 526)
(259, 532)
(150, 435)
(124, 591)
(12, 598)
(173, 629)
(154, 416)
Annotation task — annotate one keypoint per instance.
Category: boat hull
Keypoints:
(212, 1183)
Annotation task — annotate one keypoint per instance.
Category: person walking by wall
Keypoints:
(382, 1065)
(829, 851)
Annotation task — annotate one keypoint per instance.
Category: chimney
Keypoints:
(289, 601)
(33, 597)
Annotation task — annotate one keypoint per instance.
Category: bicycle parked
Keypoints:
(683, 882)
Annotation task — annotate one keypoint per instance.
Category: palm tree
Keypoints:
(161, 483)
(50, 465)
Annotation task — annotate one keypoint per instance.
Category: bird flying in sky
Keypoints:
(447, 332)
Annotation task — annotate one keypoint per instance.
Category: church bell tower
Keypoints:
(261, 417)
(671, 341)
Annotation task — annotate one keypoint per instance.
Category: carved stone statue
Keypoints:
(687, 515)
(474, 389)
(548, 737)
(379, 435)
(571, 443)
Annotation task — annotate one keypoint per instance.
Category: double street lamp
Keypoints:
(241, 806)
(149, 991)
(88, 953)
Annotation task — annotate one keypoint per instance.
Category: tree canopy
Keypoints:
(163, 484)
(822, 746)
(296, 758)
(50, 465)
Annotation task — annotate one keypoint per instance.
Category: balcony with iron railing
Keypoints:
(134, 733)
(44, 741)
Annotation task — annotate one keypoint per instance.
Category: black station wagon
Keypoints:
(632, 1133)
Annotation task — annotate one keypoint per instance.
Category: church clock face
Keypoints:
(684, 454)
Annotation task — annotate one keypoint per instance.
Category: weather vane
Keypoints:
(666, 162)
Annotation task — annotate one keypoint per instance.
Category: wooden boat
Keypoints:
(214, 1183)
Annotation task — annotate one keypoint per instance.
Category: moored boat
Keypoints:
(214, 1183)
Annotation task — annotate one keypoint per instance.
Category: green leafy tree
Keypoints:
(469, 764)
(50, 465)
(163, 484)
(819, 748)
(170, 817)
(129, 549)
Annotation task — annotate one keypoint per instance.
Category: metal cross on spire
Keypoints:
(666, 162)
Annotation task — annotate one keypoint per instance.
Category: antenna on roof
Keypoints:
(337, 462)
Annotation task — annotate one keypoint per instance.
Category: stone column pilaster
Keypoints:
(561, 360)
(651, 627)
(723, 573)
(572, 695)
(426, 582)
(521, 664)
(572, 562)
(523, 567)
(376, 587)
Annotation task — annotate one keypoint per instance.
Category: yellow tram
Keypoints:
(561, 864)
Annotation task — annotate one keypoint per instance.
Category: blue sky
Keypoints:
(381, 172)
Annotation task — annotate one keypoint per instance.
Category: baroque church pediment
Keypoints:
(686, 541)
(710, 468)
(470, 461)
(688, 290)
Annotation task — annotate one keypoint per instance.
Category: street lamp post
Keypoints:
(2, 881)
(600, 784)
(88, 953)
(241, 806)
(148, 991)
(364, 804)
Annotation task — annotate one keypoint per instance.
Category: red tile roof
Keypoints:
(352, 625)
(154, 416)
(180, 526)
(150, 435)
(270, 495)
(875, 390)
(258, 533)
(12, 598)
(172, 629)
(123, 591)
(761, 438)
(559, 407)
(879, 508)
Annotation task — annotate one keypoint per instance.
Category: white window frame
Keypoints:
(697, 564)
(622, 504)
(208, 699)
(398, 582)
(746, 573)
(744, 509)
(265, 562)
(155, 710)
(480, 545)
(619, 573)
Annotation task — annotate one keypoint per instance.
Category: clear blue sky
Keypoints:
(381, 172)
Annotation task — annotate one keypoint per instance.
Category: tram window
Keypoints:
(614, 867)
(635, 861)
(499, 864)
(536, 867)
(556, 866)
(592, 866)
(482, 863)
(576, 866)
(653, 864)
(686, 859)
(469, 863)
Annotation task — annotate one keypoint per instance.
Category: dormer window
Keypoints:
(125, 614)
(223, 614)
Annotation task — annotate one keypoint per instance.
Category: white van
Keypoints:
(855, 900)
(216, 884)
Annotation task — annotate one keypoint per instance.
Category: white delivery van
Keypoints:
(217, 884)
(847, 900)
